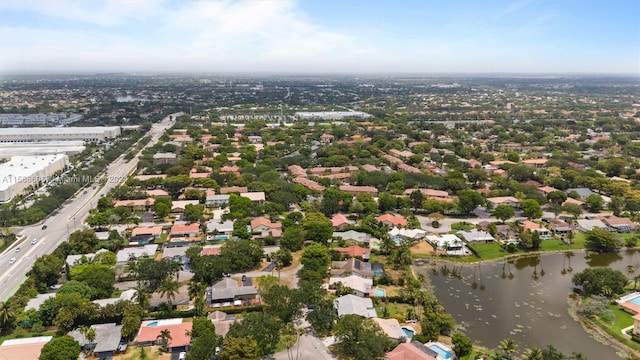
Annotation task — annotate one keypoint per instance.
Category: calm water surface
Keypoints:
(524, 299)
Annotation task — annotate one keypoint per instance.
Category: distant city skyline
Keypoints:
(315, 37)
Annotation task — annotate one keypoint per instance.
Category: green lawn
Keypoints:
(621, 320)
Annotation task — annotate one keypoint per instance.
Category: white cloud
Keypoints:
(182, 36)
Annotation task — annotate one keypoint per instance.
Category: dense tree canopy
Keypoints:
(600, 281)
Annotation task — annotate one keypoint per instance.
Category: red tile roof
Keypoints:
(178, 334)
(353, 251)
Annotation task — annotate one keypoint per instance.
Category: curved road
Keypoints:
(65, 220)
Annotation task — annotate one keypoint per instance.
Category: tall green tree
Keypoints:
(60, 348)
(317, 227)
(361, 338)
(240, 348)
(503, 212)
(601, 240)
(531, 209)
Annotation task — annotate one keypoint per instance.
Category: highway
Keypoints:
(65, 220)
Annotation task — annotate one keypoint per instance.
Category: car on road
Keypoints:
(34, 241)
(18, 249)
(12, 260)
(44, 227)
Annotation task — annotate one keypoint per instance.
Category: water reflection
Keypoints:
(524, 298)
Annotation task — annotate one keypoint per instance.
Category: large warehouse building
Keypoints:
(23, 171)
(86, 134)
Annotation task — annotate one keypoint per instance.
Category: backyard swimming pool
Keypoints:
(409, 332)
(380, 293)
(441, 352)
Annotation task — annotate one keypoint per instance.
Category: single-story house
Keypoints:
(134, 253)
(186, 231)
(35, 302)
(355, 190)
(149, 333)
(475, 235)
(145, 234)
(256, 197)
(263, 224)
(222, 321)
(411, 351)
(582, 192)
(227, 292)
(180, 300)
(234, 189)
(531, 226)
(504, 200)
(449, 243)
(559, 226)
(361, 286)
(351, 304)
(178, 206)
(127, 295)
(136, 205)
(338, 221)
(176, 253)
(590, 224)
(412, 234)
(220, 228)
(360, 237)
(73, 260)
(621, 224)
(108, 340)
(23, 348)
(392, 328)
(355, 251)
(392, 220)
(351, 266)
(210, 250)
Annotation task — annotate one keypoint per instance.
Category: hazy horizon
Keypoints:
(332, 37)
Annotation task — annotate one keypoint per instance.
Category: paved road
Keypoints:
(64, 221)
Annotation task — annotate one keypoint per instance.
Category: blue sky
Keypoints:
(321, 36)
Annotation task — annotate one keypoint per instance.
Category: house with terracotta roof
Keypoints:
(355, 251)
(545, 190)
(308, 183)
(263, 224)
(255, 196)
(185, 231)
(504, 200)
(621, 224)
(411, 351)
(149, 333)
(392, 220)
(537, 163)
(338, 221)
(531, 226)
(326, 138)
(355, 190)
(142, 234)
(137, 204)
(233, 189)
(211, 250)
(23, 348)
(230, 170)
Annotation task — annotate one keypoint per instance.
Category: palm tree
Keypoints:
(6, 314)
(533, 354)
(508, 347)
(142, 296)
(164, 336)
(169, 288)
(195, 289)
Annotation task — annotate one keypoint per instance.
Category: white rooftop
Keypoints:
(58, 130)
(23, 168)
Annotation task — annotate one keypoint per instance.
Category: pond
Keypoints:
(524, 299)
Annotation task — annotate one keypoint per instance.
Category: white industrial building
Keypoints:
(86, 134)
(23, 171)
(331, 115)
(39, 119)
(70, 148)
